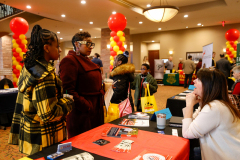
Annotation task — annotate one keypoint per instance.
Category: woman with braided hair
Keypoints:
(40, 111)
(123, 75)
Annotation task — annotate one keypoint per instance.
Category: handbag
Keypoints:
(125, 106)
(112, 113)
(148, 102)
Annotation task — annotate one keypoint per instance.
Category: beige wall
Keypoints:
(182, 41)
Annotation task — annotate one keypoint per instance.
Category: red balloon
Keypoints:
(231, 42)
(122, 48)
(117, 22)
(19, 25)
(19, 58)
(113, 34)
(111, 48)
(15, 36)
(14, 84)
(235, 48)
(113, 53)
(17, 75)
(14, 50)
(123, 34)
(19, 41)
(227, 49)
(111, 67)
(116, 38)
(13, 66)
(21, 64)
(24, 50)
(229, 52)
(231, 56)
(22, 46)
(119, 43)
(16, 54)
(15, 71)
(232, 35)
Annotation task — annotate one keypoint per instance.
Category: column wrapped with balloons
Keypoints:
(117, 23)
(231, 36)
(19, 27)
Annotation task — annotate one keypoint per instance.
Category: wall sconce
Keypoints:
(224, 49)
(108, 46)
(125, 46)
(170, 52)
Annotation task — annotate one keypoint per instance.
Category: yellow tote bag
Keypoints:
(112, 113)
(148, 102)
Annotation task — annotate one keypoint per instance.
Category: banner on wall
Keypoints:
(238, 55)
(207, 56)
(158, 68)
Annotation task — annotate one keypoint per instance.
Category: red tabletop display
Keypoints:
(182, 77)
(176, 147)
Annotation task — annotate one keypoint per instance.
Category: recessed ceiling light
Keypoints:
(114, 12)
(199, 24)
(61, 38)
(29, 7)
(153, 41)
(159, 28)
(83, 1)
(187, 27)
(95, 37)
(202, 24)
(140, 22)
(91, 22)
(58, 32)
(148, 5)
(185, 15)
(80, 29)
(63, 15)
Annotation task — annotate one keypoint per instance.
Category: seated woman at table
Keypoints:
(40, 111)
(216, 122)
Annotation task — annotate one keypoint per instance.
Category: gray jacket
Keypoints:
(189, 66)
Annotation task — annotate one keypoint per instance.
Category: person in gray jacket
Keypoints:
(189, 68)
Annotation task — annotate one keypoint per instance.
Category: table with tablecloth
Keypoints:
(148, 139)
(182, 78)
(7, 105)
(171, 79)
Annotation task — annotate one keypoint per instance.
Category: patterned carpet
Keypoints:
(11, 152)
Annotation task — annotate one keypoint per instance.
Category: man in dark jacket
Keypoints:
(224, 66)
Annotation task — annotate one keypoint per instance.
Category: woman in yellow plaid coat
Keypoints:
(40, 111)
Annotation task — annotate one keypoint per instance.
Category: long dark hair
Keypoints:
(215, 88)
(39, 37)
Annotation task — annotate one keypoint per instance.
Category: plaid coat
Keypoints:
(39, 116)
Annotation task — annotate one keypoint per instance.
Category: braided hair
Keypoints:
(39, 37)
(123, 57)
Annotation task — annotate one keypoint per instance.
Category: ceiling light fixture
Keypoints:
(114, 12)
(63, 15)
(153, 41)
(91, 22)
(185, 16)
(140, 22)
(159, 28)
(187, 27)
(160, 13)
(80, 29)
(202, 24)
(58, 32)
(148, 5)
(199, 24)
(83, 1)
(61, 38)
(29, 7)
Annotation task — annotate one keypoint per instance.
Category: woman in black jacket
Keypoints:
(122, 74)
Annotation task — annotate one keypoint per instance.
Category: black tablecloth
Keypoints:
(7, 106)
(152, 128)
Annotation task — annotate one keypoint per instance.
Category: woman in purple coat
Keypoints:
(82, 79)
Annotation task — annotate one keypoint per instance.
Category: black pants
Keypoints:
(139, 108)
(187, 76)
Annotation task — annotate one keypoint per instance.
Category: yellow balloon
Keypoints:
(18, 50)
(231, 49)
(15, 79)
(22, 36)
(113, 43)
(21, 54)
(116, 48)
(231, 61)
(119, 33)
(228, 46)
(15, 45)
(234, 52)
(19, 67)
(122, 38)
(235, 55)
(227, 42)
(111, 58)
(13, 59)
(14, 76)
(111, 62)
(236, 42)
(119, 52)
(24, 41)
(111, 39)
(123, 43)
(15, 62)
(13, 41)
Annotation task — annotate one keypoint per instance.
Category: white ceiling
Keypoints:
(207, 12)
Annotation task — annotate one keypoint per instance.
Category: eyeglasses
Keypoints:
(143, 69)
(88, 44)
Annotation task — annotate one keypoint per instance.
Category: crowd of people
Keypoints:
(44, 117)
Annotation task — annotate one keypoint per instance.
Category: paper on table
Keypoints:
(167, 71)
(165, 111)
(183, 94)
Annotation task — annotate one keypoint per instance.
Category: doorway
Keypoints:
(152, 54)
